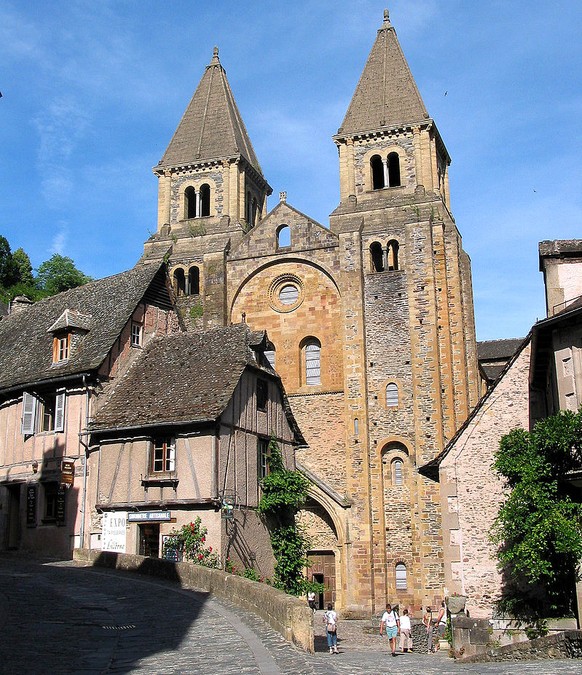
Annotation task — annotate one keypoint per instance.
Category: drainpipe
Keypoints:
(86, 459)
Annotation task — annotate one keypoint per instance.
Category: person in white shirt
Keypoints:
(330, 620)
(405, 632)
(390, 623)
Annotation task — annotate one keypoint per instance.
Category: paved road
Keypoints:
(63, 618)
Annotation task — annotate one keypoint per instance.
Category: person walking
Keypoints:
(311, 600)
(390, 624)
(440, 625)
(427, 622)
(330, 620)
(405, 633)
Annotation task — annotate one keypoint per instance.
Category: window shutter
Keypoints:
(28, 413)
(60, 412)
(171, 457)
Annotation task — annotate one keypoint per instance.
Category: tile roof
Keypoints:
(386, 95)
(25, 341)
(212, 126)
(181, 378)
(498, 349)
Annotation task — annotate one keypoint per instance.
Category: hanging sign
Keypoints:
(67, 473)
(31, 493)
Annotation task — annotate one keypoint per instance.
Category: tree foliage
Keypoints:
(58, 274)
(17, 278)
(538, 530)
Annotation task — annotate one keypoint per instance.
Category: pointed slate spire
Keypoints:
(212, 127)
(386, 95)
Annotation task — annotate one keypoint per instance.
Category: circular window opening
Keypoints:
(288, 295)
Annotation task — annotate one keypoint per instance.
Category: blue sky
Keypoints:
(92, 92)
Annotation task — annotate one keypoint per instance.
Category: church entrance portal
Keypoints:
(322, 570)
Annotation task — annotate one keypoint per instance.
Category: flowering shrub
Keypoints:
(190, 539)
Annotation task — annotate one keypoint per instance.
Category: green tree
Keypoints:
(538, 530)
(59, 274)
(8, 268)
(22, 262)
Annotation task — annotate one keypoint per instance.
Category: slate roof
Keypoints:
(488, 350)
(386, 95)
(212, 126)
(184, 378)
(103, 306)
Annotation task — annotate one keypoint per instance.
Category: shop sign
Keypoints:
(31, 498)
(67, 473)
(114, 526)
(150, 517)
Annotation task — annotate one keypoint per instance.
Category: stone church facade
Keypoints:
(371, 318)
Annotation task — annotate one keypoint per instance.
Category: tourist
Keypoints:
(405, 633)
(390, 623)
(330, 620)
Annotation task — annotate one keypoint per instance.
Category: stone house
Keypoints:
(185, 433)
(543, 377)
(371, 318)
(58, 356)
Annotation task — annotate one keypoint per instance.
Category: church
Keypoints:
(370, 316)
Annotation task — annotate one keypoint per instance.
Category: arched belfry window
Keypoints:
(204, 200)
(401, 577)
(283, 236)
(311, 349)
(194, 281)
(393, 169)
(179, 282)
(377, 169)
(377, 257)
(392, 255)
(190, 202)
(391, 395)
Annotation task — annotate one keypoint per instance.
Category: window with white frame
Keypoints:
(61, 347)
(136, 334)
(397, 471)
(163, 455)
(43, 412)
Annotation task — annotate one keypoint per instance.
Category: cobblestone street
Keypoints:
(59, 617)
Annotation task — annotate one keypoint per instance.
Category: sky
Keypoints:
(93, 91)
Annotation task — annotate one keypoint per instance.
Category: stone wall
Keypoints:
(287, 615)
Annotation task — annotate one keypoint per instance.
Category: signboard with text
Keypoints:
(114, 526)
(67, 473)
(149, 517)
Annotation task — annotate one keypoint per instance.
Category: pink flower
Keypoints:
(210, 548)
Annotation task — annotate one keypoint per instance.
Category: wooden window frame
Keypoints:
(43, 414)
(262, 457)
(163, 456)
(61, 348)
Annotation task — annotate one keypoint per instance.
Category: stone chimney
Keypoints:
(19, 303)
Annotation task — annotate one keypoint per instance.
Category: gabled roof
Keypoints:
(212, 127)
(26, 343)
(431, 469)
(494, 354)
(386, 95)
(185, 378)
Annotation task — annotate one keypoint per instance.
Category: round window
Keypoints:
(288, 294)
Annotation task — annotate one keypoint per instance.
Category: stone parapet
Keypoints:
(287, 615)
(565, 645)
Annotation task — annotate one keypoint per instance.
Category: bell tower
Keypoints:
(411, 358)
(211, 190)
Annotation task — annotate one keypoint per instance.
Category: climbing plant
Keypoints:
(538, 530)
(190, 540)
(283, 494)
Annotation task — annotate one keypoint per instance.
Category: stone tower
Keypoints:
(210, 191)
(371, 319)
